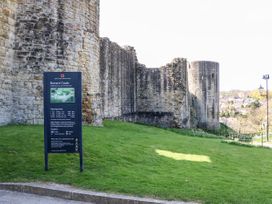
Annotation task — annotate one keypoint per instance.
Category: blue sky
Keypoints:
(235, 33)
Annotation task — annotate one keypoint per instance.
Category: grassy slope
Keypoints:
(121, 158)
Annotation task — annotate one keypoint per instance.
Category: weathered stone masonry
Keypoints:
(162, 95)
(179, 94)
(63, 35)
(118, 79)
(204, 89)
(132, 92)
(7, 35)
(55, 35)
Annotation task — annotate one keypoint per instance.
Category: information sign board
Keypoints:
(62, 114)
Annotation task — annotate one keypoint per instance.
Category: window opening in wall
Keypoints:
(213, 110)
(209, 82)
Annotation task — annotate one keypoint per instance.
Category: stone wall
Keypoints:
(55, 35)
(63, 35)
(118, 79)
(204, 90)
(7, 35)
(132, 92)
(163, 93)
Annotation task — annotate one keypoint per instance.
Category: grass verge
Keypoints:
(123, 158)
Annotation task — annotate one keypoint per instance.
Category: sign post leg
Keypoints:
(81, 161)
(46, 161)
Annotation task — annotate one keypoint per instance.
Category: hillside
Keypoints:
(244, 111)
(145, 161)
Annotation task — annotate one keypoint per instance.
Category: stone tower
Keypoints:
(48, 35)
(63, 35)
(7, 36)
(204, 90)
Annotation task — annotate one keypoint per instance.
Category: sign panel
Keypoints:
(62, 113)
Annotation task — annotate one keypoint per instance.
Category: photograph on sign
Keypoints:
(62, 95)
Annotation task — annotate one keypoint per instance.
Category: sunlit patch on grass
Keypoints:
(181, 156)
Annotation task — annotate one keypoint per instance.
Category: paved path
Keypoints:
(265, 144)
(68, 192)
(11, 197)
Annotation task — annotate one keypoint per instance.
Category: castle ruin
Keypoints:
(63, 35)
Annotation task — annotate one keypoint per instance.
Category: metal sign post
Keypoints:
(62, 114)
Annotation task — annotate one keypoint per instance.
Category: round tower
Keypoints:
(7, 30)
(203, 77)
(55, 35)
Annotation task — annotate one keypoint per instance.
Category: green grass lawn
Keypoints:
(123, 158)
